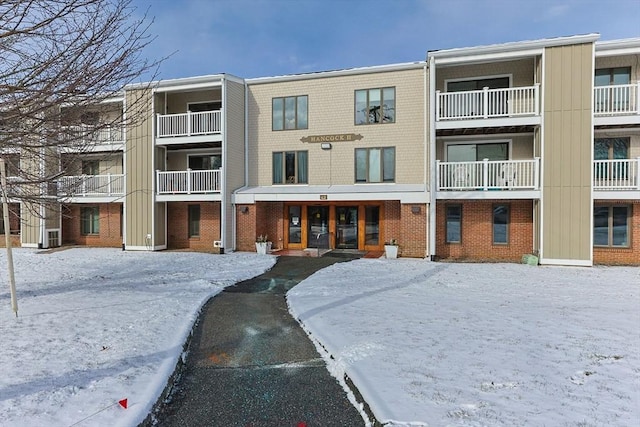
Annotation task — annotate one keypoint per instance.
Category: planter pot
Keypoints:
(263, 248)
(391, 251)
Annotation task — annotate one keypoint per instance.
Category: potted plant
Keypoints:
(263, 245)
(391, 249)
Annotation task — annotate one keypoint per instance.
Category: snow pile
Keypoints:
(96, 326)
(481, 344)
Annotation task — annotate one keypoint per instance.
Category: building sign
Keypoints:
(337, 137)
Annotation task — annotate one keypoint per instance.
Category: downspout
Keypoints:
(124, 171)
(223, 178)
(433, 185)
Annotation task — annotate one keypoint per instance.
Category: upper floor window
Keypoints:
(290, 167)
(91, 167)
(479, 84)
(375, 106)
(375, 164)
(205, 162)
(197, 107)
(613, 76)
(473, 152)
(610, 148)
(290, 112)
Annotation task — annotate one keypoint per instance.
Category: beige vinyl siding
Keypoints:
(234, 170)
(139, 168)
(29, 224)
(566, 195)
(331, 111)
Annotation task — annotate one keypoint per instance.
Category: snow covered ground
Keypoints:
(437, 344)
(96, 326)
(426, 343)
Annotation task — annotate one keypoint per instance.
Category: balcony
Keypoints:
(486, 175)
(616, 104)
(516, 103)
(188, 182)
(189, 124)
(618, 174)
(85, 137)
(91, 186)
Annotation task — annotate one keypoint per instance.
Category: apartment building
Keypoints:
(337, 160)
(481, 153)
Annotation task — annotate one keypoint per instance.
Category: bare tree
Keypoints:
(62, 64)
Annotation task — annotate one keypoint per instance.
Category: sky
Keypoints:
(426, 344)
(260, 38)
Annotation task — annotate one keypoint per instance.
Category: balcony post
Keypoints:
(436, 185)
(536, 173)
(638, 97)
(158, 189)
(158, 126)
(188, 123)
(485, 174)
(109, 184)
(638, 171)
(188, 181)
(536, 97)
(437, 112)
(485, 102)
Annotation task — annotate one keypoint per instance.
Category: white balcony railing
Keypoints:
(91, 185)
(618, 174)
(488, 103)
(189, 124)
(616, 99)
(104, 135)
(188, 182)
(489, 175)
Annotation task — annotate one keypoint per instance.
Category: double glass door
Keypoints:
(333, 226)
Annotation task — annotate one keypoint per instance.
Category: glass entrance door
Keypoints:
(318, 227)
(346, 227)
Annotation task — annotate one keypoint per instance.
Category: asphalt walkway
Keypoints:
(250, 364)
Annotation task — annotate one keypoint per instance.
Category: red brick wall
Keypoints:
(178, 226)
(110, 230)
(622, 256)
(245, 228)
(262, 218)
(477, 231)
(413, 230)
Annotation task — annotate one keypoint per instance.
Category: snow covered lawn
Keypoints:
(442, 344)
(96, 326)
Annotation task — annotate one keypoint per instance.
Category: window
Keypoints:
(290, 167)
(205, 162)
(375, 106)
(605, 152)
(613, 76)
(500, 224)
(466, 85)
(290, 113)
(612, 99)
(197, 107)
(90, 167)
(477, 152)
(375, 164)
(611, 226)
(90, 220)
(610, 148)
(194, 220)
(454, 223)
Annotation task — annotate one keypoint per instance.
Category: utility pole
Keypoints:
(7, 235)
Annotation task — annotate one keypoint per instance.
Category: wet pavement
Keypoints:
(250, 364)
